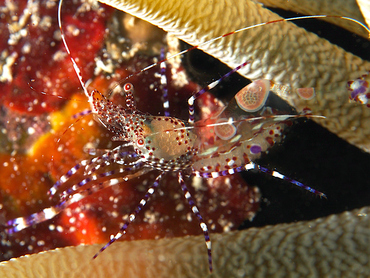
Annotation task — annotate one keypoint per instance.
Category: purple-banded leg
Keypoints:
(82, 113)
(95, 177)
(253, 166)
(83, 164)
(276, 174)
(164, 85)
(202, 224)
(20, 223)
(192, 99)
(133, 215)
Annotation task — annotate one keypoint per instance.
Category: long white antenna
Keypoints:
(75, 66)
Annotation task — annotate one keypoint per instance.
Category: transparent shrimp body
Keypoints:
(165, 143)
(233, 137)
(161, 142)
(241, 131)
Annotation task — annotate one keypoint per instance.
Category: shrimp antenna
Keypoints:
(244, 29)
(75, 66)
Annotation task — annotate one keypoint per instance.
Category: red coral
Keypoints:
(41, 64)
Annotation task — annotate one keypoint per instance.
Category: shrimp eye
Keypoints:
(140, 142)
(127, 87)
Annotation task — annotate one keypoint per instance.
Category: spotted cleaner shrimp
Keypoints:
(190, 151)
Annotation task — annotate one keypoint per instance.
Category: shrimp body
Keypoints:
(160, 142)
(166, 144)
(231, 138)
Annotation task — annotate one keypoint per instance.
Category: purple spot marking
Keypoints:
(255, 149)
(360, 88)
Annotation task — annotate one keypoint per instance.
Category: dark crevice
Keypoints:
(308, 153)
(347, 40)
